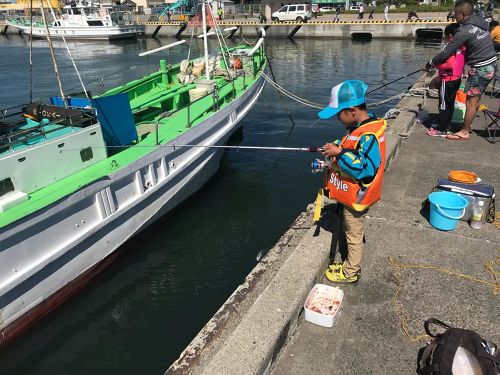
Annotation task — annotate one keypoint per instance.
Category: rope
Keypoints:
(392, 113)
(290, 95)
(412, 92)
(67, 48)
(221, 41)
(399, 267)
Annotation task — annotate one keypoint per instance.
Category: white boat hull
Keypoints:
(84, 32)
(47, 256)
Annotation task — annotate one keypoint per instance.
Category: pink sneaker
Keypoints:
(435, 133)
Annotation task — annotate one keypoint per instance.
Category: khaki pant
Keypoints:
(354, 225)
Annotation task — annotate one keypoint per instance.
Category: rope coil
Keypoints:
(490, 266)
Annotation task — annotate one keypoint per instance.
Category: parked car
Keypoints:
(326, 9)
(354, 7)
(295, 12)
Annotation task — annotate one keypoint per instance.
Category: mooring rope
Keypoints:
(411, 92)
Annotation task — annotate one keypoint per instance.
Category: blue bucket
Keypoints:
(446, 209)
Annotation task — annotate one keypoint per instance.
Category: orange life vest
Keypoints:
(345, 189)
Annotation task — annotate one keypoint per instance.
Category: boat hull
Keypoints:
(84, 33)
(49, 255)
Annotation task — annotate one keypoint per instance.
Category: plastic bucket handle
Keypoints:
(448, 216)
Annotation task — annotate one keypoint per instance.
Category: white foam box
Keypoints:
(323, 304)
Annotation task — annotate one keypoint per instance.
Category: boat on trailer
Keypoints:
(80, 177)
(81, 21)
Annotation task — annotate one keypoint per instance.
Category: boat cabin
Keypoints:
(39, 146)
(92, 16)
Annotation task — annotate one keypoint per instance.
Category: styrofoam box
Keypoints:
(323, 304)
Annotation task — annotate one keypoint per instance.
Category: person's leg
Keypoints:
(471, 104)
(477, 81)
(354, 223)
(450, 92)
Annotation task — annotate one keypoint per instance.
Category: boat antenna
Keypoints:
(54, 61)
(31, 51)
(205, 43)
(58, 24)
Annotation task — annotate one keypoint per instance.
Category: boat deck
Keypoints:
(182, 115)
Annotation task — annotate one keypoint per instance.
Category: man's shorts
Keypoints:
(479, 78)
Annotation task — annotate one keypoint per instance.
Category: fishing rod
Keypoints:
(399, 79)
(268, 148)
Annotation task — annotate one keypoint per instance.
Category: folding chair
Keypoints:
(492, 119)
(493, 88)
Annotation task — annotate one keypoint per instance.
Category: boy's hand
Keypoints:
(427, 67)
(331, 150)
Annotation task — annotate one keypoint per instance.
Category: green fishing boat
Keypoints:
(112, 165)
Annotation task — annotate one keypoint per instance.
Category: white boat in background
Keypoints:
(82, 21)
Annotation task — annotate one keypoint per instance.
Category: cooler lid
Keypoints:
(477, 190)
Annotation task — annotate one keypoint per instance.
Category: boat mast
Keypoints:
(205, 43)
(31, 51)
(54, 61)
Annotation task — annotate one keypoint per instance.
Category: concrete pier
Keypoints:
(318, 28)
(399, 29)
(411, 272)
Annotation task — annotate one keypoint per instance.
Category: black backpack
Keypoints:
(439, 355)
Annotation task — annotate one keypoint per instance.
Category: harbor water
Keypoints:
(140, 313)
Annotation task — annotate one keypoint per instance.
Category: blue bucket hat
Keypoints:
(345, 95)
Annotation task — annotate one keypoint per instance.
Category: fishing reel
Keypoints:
(319, 165)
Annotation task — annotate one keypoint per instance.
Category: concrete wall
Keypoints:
(377, 29)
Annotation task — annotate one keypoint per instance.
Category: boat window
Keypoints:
(95, 23)
(292, 8)
(6, 186)
(86, 154)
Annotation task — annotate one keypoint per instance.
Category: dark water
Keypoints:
(140, 314)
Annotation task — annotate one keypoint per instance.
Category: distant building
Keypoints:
(25, 4)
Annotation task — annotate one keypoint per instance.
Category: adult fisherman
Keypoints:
(357, 170)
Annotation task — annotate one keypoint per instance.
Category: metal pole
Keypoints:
(157, 125)
(205, 42)
(31, 51)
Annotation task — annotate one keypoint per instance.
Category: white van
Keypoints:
(293, 12)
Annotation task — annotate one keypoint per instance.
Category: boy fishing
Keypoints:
(357, 170)
(481, 57)
(449, 79)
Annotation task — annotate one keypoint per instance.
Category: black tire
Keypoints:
(299, 19)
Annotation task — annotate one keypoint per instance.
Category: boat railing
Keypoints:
(11, 133)
(215, 104)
